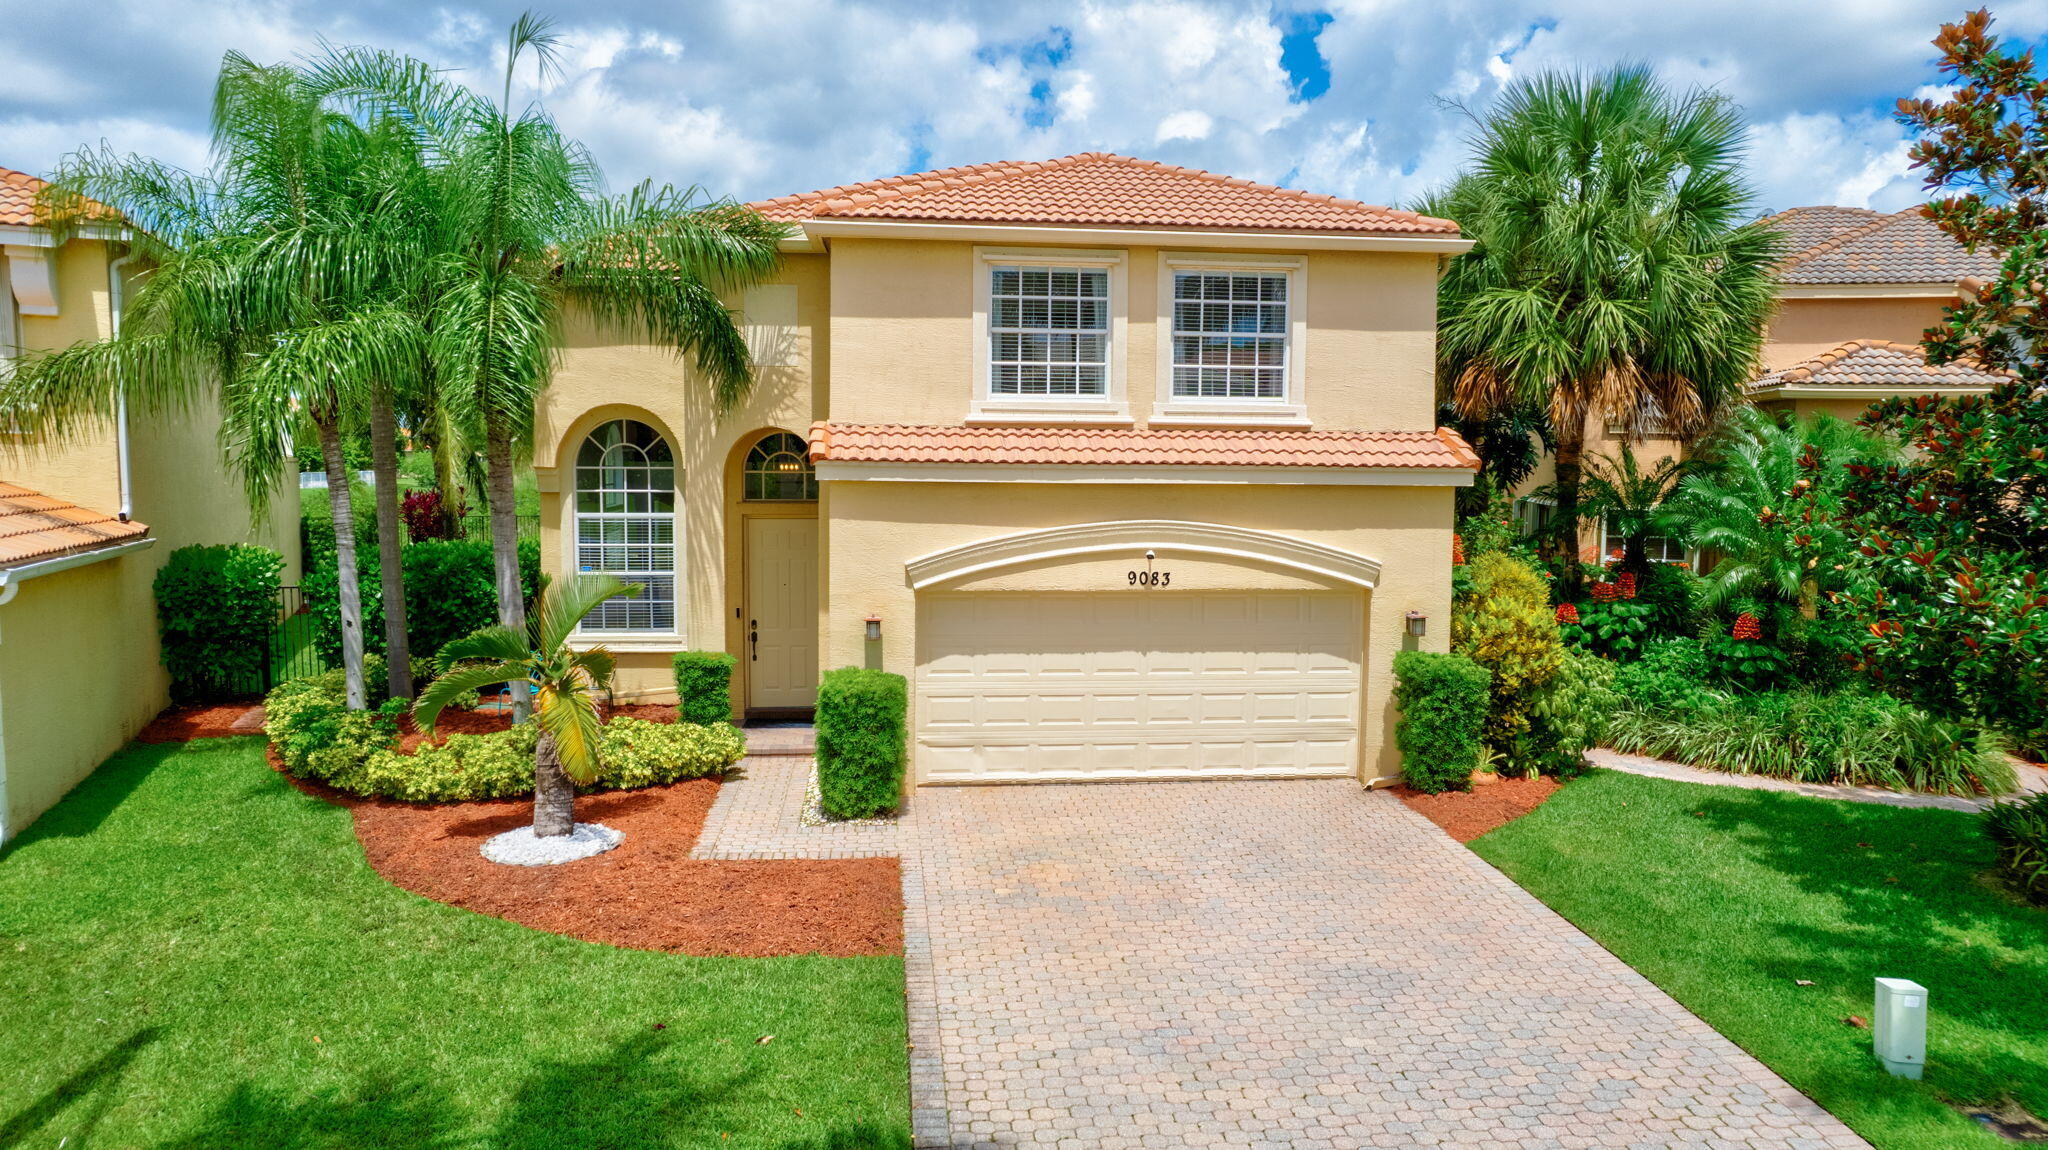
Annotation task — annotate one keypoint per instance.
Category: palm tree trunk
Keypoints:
(349, 590)
(390, 570)
(1571, 446)
(554, 796)
(447, 476)
(505, 542)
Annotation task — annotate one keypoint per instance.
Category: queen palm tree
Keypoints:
(564, 683)
(1618, 271)
(524, 234)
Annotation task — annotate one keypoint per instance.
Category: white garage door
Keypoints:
(1138, 684)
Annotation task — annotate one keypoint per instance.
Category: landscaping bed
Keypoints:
(203, 721)
(1465, 815)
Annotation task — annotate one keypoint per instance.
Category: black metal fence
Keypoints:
(294, 651)
(477, 525)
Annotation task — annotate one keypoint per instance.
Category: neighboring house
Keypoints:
(1131, 469)
(1855, 296)
(86, 521)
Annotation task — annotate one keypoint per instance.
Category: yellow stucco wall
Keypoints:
(1804, 328)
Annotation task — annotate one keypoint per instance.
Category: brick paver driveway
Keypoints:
(1293, 964)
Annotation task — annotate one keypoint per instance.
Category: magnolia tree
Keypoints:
(1951, 586)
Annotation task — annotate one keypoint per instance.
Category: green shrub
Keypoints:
(1671, 674)
(1671, 592)
(450, 591)
(1506, 625)
(1748, 664)
(1443, 702)
(861, 717)
(703, 686)
(2018, 832)
(1568, 716)
(216, 611)
(637, 753)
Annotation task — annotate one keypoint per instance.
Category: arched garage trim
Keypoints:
(1135, 536)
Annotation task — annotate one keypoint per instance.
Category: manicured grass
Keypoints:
(194, 954)
(1727, 897)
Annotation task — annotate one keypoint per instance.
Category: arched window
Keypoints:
(779, 470)
(626, 523)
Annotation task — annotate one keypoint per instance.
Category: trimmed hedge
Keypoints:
(450, 590)
(319, 738)
(1443, 711)
(860, 719)
(216, 610)
(703, 686)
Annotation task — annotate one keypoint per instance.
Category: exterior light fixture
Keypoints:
(1899, 1026)
(1418, 623)
(874, 628)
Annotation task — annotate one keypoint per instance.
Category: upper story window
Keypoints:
(1048, 331)
(626, 524)
(778, 470)
(1230, 335)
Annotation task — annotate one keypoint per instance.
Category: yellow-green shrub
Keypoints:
(637, 753)
(1504, 623)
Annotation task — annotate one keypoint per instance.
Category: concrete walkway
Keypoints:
(2032, 780)
(1298, 964)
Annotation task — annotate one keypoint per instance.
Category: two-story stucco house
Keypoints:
(1132, 470)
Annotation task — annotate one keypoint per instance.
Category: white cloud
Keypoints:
(1184, 125)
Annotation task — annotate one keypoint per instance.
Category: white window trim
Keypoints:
(677, 637)
(1115, 406)
(1607, 536)
(1291, 411)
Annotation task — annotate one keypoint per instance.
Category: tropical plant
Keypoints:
(522, 235)
(1509, 443)
(1618, 488)
(2018, 831)
(1618, 270)
(1505, 624)
(564, 684)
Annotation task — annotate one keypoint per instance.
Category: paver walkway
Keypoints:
(1298, 964)
(2032, 779)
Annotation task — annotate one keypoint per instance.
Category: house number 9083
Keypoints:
(1150, 578)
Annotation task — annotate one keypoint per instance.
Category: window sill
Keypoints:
(998, 412)
(1221, 415)
(629, 641)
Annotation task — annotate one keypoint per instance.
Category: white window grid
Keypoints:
(1230, 335)
(625, 525)
(1656, 548)
(1048, 331)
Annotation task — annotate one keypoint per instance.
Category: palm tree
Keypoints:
(268, 294)
(1617, 486)
(524, 234)
(1618, 271)
(564, 683)
(1738, 503)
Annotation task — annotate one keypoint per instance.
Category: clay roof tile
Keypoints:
(35, 527)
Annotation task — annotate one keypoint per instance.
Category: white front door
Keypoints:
(1138, 684)
(782, 612)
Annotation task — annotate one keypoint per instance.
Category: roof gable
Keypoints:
(1878, 364)
(1905, 247)
(1097, 189)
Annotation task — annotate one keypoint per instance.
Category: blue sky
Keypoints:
(1362, 98)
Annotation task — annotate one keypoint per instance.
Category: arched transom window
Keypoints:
(779, 470)
(626, 523)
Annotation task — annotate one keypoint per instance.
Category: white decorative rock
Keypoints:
(524, 848)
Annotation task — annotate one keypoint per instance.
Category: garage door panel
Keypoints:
(1138, 684)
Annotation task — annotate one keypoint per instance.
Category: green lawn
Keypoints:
(1726, 897)
(193, 954)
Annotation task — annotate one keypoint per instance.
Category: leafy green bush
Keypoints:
(216, 610)
(1443, 701)
(1672, 673)
(2018, 831)
(319, 738)
(1747, 664)
(1505, 624)
(703, 686)
(861, 717)
(1568, 716)
(1671, 592)
(450, 591)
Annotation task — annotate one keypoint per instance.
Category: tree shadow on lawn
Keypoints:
(99, 1081)
(96, 796)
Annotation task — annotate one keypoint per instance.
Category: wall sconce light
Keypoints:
(1418, 623)
(874, 628)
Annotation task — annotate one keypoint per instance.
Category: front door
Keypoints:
(782, 613)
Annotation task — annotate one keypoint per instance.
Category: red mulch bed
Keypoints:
(1465, 815)
(202, 721)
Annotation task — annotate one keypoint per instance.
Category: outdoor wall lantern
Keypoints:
(1418, 623)
(874, 629)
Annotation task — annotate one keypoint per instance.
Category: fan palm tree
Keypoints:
(1737, 503)
(564, 685)
(1617, 486)
(1618, 271)
(524, 234)
(269, 294)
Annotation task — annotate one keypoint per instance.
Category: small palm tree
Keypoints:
(1617, 486)
(564, 684)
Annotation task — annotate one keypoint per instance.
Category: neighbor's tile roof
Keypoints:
(34, 526)
(1096, 188)
(1905, 247)
(18, 199)
(1877, 363)
(1129, 447)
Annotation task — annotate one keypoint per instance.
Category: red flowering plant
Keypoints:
(428, 516)
(1611, 624)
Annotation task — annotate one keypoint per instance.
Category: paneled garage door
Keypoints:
(1016, 687)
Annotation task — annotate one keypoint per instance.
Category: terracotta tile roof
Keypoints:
(18, 199)
(1096, 188)
(34, 526)
(1808, 227)
(1877, 363)
(1149, 447)
(1905, 247)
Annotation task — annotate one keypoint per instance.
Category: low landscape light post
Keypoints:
(1899, 1026)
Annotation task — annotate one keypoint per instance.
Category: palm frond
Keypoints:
(426, 710)
(497, 644)
(564, 604)
(566, 710)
